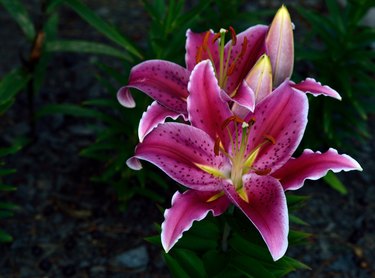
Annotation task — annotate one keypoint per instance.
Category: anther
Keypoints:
(263, 172)
(233, 34)
(216, 37)
(231, 69)
(270, 139)
(205, 41)
(217, 146)
(251, 121)
(233, 118)
(244, 46)
(198, 57)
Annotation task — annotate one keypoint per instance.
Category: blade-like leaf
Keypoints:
(18, 11)
(11, 84)
(335, 183)
(86, 47)
(103, 27)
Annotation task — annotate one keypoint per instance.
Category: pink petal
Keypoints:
(134, 163)
(164, 81)
(176, 149)
(125, 98)
(207, 110)
(244, 97)
(255, 48)
(313, 166)
(310, 85)
(280, 46)
(194, 42)
(186, 208)
(283, 116)
(266, 209)
(154, 115)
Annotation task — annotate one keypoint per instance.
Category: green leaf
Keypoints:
(189, 262)
(297, 220)
(335, 183)
(5, 172)
(251, 267)
(298, 237)
(4, 187)
(8, 206)
(78, 111)
(174, 267)
(18, 11)
(103, 27)
(11, 84)
(86, 47)
(5, 237)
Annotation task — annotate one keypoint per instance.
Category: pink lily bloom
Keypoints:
(223, 159)
(237, 65)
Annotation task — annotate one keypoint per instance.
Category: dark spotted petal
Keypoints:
(177, 149)
(267, 210)
(282, 117)
(164, 81)
(186, 208)
(313, 165)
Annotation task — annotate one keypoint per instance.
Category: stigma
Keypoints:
(227, 63)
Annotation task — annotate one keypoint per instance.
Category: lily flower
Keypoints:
(245, 56)
(223, 159)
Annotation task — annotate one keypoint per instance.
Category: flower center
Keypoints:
(242, 161)
(226, 65)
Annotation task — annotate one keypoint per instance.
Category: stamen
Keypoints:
(263, 172)
(216, 37)
(231, 69)
(251, 121)
(234, 36)
(233, 118)
(205, 41)
(217, 146)
(270, 139)
(198, 57)
(244, 46)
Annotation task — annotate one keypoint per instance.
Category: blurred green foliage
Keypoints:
(339, 50)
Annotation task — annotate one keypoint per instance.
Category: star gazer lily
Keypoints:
(225, 159)
(240, 66)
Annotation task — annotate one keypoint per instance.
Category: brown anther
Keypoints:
(270, 139)
(263, 172)
(198, 57)
(205, 41)
(233, 34)
(216, 37)
(244, 46)
(251, 121)
(231, 69)
(233, 118)
(217, 146)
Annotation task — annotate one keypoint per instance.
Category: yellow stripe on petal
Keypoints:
(243, 194)
(211, 170)
(215, 197)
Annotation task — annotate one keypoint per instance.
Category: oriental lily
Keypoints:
(236, 63)
(223, 159)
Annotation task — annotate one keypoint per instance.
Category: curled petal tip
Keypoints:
(134, 163)
(125, 98)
